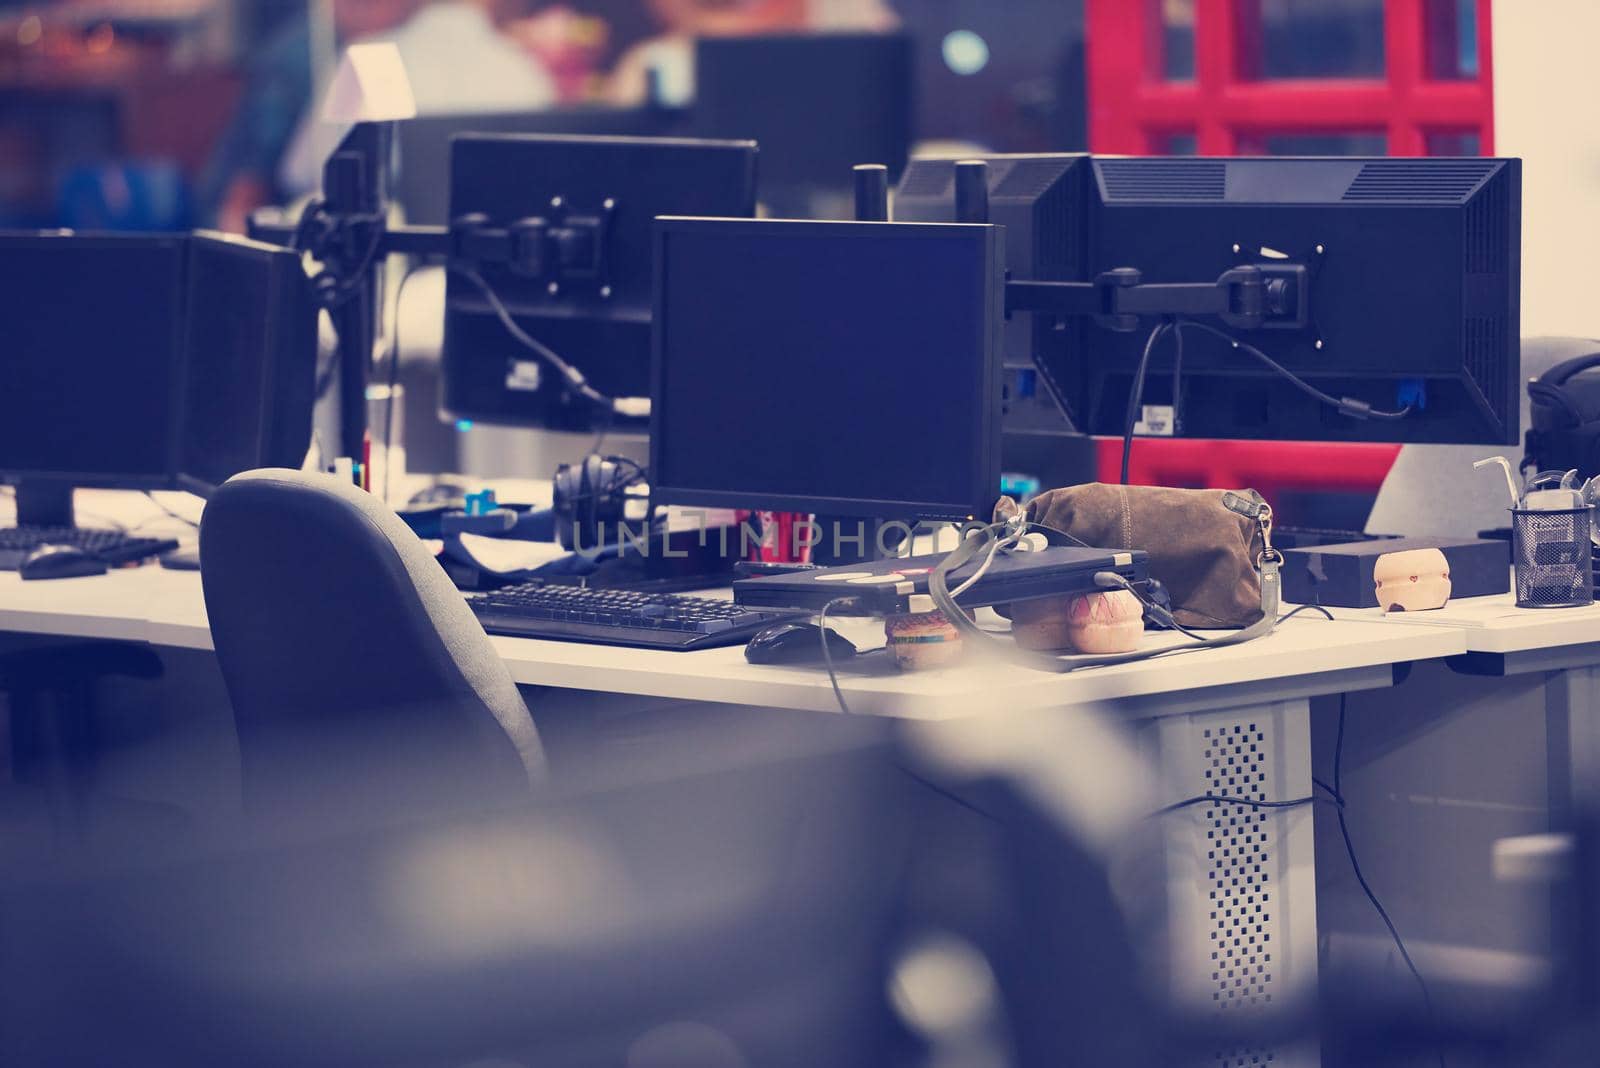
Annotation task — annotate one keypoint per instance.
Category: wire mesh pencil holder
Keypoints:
(1551, 557)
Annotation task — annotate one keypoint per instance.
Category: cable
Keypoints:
(1307, 608)
(1226, 799)
(1366, 888)
(180, 517)
(1177, 383)
(394, 378)
(838, 694)
(1355, 409)
(827, 653)
(983, 568)
(636, 406)
(329, 373)
(1136, 394)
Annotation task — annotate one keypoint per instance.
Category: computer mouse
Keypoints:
(795, 643)
(183, 558)
(60, 561)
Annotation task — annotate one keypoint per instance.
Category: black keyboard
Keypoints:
(112, 546)
(619, 617)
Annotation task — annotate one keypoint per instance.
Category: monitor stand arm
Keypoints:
(348, 232)
(1247, 298)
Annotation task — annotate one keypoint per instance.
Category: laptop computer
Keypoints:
(887, 586)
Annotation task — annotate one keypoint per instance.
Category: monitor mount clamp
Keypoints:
(348, 232)
(1246, 297)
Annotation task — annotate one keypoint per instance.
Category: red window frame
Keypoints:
(1133, 107)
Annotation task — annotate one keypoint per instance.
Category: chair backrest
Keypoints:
(362, 686)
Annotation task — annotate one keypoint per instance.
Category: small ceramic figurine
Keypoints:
(1413, 581)
(1098, 623)
(923, 639)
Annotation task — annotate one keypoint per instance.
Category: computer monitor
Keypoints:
(422, 185)
(250, 360)
(148, 362)
(818, 104)
(590, 303)
(840, 368)
(1409, 298)
(90, 391)
(1039, 200)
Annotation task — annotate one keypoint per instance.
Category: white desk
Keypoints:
(1234, 720)
(1563, 644)
(1308, 656)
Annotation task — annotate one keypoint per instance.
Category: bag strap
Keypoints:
(1269, 562)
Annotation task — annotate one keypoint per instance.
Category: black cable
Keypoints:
(1136, 394)
(827, 653)
(1228, 799)
(180, 517)
(1177, 383)
(1366, 888)
(394, 378)
(330, 373)
(838, 694)
(600, 438)
(1350, 406)
(574, 378)
(1291, 613)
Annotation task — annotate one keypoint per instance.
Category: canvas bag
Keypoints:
(1203, 551)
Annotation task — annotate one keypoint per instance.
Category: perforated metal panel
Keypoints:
(1242, 879)
(1240, 849)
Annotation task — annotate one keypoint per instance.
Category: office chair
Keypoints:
(362, 687)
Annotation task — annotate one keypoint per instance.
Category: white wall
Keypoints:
(1547, 110)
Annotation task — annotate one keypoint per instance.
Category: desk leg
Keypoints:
(1241, 883)
(1572, 719)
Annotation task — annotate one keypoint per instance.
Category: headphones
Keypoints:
(1564, 417)
(590, 498)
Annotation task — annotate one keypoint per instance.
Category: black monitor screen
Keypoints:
(88, 375)
(839, 368)
(251, 355)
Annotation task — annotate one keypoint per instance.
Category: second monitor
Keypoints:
(579, 212)
(845, 369)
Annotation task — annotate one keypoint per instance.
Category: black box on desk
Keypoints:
(1340, 576)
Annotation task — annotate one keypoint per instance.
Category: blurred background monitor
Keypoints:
(1038, 198)
(842, 368)
(423, 184)
(90, 381)
(818, 104)
(1413, 297)
(149, 361)
(251, 359)
(597, 315)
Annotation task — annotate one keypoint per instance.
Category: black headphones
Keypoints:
(590, 498)
(1564, 417)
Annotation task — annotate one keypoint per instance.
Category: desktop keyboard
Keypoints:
(112, 546)
(619, 617)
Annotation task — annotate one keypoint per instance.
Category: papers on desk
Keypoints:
(505, 556)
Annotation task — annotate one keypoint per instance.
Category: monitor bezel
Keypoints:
(165, 479)
(984, 489)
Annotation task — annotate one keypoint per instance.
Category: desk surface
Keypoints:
(1496, 624)
(1307, 655)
